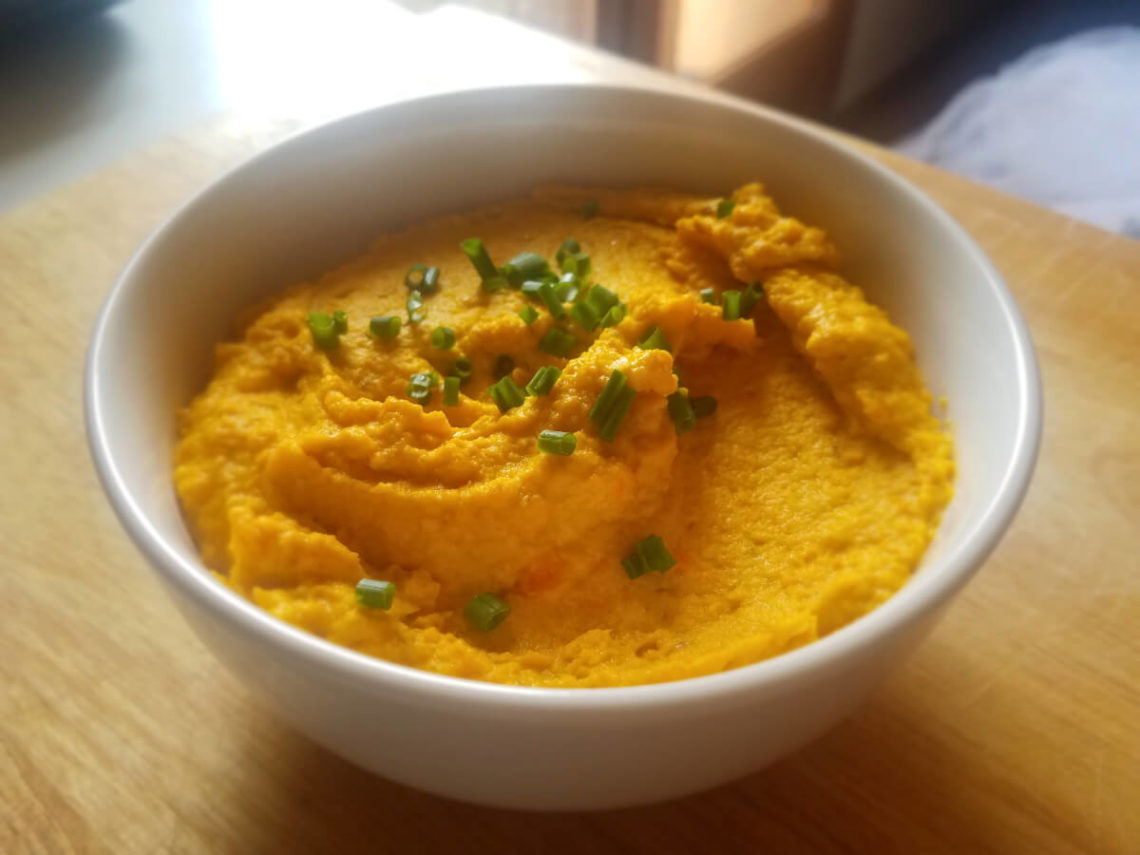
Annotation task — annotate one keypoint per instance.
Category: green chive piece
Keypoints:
(414, 278)
(547, 295)
(649, 556)
(486, 611)
(609, 428)
(590, 209)
(557, 342)
(375, 594)
(323, 328)
(443, 338)
(608, 398)
(558, 442)
(681, 412)
(750, 298)
(577, 263)
(585, 316)
(568, 247)
(612, 405)
(384, 326)
(506, 394)
(495, 283)
(567, 288)
(724, 208)
(543, 380)
(529, 315)
(654, 339)
(481, 259)
(462, 368)
(708, 295)
(601, 300)
(524, 266)
(420, 386)
(415, 307)
(422, 278)
(731, 308)
(451, 391)
(340, 321)
(703, 406)
(614, 316)
(504, 365)
(531, 286)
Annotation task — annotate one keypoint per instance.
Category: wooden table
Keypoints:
(1016, 728)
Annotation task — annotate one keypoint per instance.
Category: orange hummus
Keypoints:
(804, 501)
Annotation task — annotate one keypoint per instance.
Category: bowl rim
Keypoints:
(918, 597)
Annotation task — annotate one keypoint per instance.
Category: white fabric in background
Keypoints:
(1060, 126)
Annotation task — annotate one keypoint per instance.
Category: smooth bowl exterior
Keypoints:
(318, 198)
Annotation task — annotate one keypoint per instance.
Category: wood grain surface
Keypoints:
(1016, 728)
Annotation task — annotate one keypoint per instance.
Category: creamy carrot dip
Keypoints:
(762, 466)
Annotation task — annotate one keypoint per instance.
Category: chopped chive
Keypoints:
(504, 365)
(486, 611)
(451, 391)
(524, 266)
(384, 326)
(568, 247)
(415, 307)
(543, 380)
(608, 397)
(528, 314)
(703, 406)
(558, 442)
(495, 283)
(531, 286)
(577, 263)
(750, 297)
(473, 248)
(649, 556)
(708, 295)
(414, 278)
(547, 295)
(323, 328)
(506, 394)
(443, 338)
(340, 321)
(654, 339)
(601, 300)
(681, 412)
(724, 208)
(586, 317)
(420, 386)
(567, 288)
(590, 209)
(557, 342)
(422, 278)
(609, 428)
(612, 405)
(731, 308)
(375, 594)
(614, 316)
(462, 368)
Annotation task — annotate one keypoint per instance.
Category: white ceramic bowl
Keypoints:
(318, 198)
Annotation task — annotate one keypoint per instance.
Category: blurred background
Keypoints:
(1040, 99)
